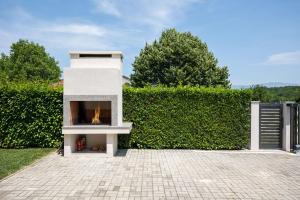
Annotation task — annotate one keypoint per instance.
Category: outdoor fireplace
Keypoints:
(93, 103)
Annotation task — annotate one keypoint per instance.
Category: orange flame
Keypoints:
(96, 118)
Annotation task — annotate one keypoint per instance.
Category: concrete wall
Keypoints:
(254, 142)
(111, 144)
(112, 63)
(69, 144)
(92, 81)
(95, 81)
(286, 129)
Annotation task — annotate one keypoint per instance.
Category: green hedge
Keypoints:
(187, 118)
(197, 118)
(30, 116)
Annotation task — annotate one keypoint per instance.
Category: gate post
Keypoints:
(286, 129)
(254, 144)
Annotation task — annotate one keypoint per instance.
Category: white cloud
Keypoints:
(157, 14)
(62, 34)
(108, 7)
(19, 13)
(82, 29)
(138, 22)
(59, 36)
(135, 23)
(285, 58)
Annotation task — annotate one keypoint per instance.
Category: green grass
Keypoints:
(11, 160)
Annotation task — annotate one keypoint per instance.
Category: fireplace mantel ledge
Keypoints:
(97, 129)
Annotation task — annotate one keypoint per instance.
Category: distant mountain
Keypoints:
(240, 86)
(278, 84)
(268, 85)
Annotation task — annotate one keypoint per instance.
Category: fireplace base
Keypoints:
(111, 145)
(95, 135)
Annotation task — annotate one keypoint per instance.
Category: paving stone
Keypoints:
(159, 174)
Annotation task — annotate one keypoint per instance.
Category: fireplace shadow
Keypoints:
(60, 150)
(121, 153)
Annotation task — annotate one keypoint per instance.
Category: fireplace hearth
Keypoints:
(93, 103)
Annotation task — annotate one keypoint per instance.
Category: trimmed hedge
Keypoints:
(30, 116)
(186, 118)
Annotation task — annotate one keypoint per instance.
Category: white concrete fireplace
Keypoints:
(93, 103)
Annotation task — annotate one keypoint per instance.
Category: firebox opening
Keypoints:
(90, 112)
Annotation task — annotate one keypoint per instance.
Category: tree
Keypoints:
(178, 59)
(3, 68)
(28, 61)
(260, 93)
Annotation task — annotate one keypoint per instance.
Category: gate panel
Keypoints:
(270, 126)
(295, 124)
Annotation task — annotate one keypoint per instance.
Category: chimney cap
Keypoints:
(96, 52)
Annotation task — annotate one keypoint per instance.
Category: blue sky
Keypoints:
(258, 40)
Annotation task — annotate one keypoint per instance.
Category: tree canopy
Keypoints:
(28, 61)
(276, 94)
(260, 93)
(178, 59)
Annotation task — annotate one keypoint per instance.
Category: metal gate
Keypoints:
(270, 125)
(295, 125)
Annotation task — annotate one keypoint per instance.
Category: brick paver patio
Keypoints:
(159, 174)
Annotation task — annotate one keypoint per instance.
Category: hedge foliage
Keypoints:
(30, 116)
(186, 118)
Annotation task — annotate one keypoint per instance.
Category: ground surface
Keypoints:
(159, 174)
(12, 160)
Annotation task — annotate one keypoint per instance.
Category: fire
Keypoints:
(96, 118)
